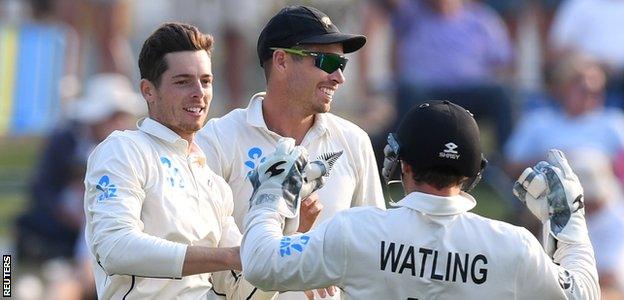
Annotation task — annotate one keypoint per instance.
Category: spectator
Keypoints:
(579, 120)
(451, 49)
(592, 27)
(51, 227)
(604, 212)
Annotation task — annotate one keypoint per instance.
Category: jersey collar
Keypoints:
(438, 205)
(160, 131)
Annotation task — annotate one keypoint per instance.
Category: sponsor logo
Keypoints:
(290, 244)
(450, 151)
(274, 168)
(565, 280)
(108, 189)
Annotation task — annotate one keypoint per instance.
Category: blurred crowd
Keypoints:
(537, 74)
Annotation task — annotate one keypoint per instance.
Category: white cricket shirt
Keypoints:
(146, 199)
(236, 143)
(429, 247)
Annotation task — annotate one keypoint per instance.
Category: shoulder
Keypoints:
(120, 144)
(225, 127)
(613, 114)
(498, 230)
(235, 117)
(361, 214)
(121, 139)
(346, 127)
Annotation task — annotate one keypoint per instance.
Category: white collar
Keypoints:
(438, 205)
(160, 131)
(255, 117)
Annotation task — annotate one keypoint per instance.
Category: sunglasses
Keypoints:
(328, 62)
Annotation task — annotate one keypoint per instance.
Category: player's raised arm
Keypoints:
(554, 195)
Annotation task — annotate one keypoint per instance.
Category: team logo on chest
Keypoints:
(254, 155)
(173, 176)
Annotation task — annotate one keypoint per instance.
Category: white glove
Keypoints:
(279, 182)
(554, 194)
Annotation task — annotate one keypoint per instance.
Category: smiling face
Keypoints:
(312, 88)
(182, 98)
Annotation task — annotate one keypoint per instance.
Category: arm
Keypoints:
(553, 193)
(307, 261)
(113, 201)
(368, 189)
(272, 261)
(207, 139)
(230, 283)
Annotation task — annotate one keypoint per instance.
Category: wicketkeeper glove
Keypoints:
(284, 178)
(554, 194)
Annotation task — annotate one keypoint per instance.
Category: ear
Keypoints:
(279, 61)
(406, 169)
(148, 90)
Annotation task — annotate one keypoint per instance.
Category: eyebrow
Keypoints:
(179, 76)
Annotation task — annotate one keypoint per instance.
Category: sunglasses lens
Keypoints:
(330, 62)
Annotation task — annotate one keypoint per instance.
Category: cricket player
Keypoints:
(302, 53)
(430, 246)
(158, 220)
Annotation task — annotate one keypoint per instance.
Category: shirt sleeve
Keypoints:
(114, 196)
(231, 284)
(274, 262)
(368, 187)
(572, 274)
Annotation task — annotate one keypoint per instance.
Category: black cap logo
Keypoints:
(326, 22)
(450, 151)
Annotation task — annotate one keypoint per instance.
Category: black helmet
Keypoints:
(439, 134)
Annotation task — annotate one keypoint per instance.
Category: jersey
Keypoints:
(429, 247)
(236, 143)
(146, 199)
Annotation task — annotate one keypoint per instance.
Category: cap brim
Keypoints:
(350, 42)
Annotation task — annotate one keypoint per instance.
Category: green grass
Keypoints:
(18, 157)
(11, 205)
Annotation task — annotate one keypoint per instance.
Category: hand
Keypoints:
(331, 291)
(311, 208)
(554, 194)
(281, 180)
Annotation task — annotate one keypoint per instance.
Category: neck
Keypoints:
(286, 119)
(429, 189)
(189, 137)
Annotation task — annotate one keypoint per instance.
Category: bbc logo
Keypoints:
(6, 275)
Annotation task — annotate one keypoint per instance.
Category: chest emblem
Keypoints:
(254, 158)
(173, 175)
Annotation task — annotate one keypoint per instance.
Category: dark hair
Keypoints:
(439, 177)
(169, 37)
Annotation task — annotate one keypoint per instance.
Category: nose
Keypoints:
(337, 76)
(198, 90)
